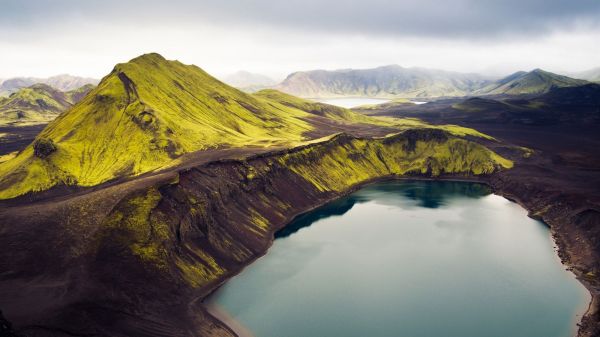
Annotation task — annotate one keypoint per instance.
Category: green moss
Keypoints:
(411, 123)
(526, 152)
(200, 271)
(321, 109)
(359, 160)
(251, 173)
(37, 104)
(8, 156)
(462, 131)
(334, 164)
(467, 107)
(534, 82)
(76, 95)
(145, 235)
(148, 112)
(144, 114)
(258, 220)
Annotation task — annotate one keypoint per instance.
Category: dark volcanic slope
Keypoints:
(559, 181)
(16, 138)
(137, 258)
(561, 106)
(128, 209)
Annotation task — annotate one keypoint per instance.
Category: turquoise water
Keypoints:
(409, 259)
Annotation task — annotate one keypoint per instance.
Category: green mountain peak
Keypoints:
(537, 81)
(147, 113)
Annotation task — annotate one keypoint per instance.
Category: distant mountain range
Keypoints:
(248, 81)
(39, 103)
(560, 106)
(386, 81)
(534, 82)
(60, 82)
(592, 75)
(395, 81)
(392, 81)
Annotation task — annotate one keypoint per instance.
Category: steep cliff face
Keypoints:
(233, 206)
(136, 259)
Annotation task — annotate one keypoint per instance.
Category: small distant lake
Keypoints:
(353, 102)
(408, 258)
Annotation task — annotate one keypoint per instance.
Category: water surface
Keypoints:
(354, 102)
(415, 259)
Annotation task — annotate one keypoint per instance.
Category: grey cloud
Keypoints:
(451, 18)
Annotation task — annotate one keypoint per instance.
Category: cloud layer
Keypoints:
(296, 34)
(431, 18)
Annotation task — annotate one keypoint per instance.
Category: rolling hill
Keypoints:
(560, 106)
(150, 111)
(37, 104)
(534, 82)
(385, 82)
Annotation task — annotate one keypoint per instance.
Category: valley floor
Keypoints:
(16, 138)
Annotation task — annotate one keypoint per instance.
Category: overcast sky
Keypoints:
(275, 37)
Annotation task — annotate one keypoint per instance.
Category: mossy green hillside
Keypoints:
(76, 95)
(534, 82)
(428, 152)
(350, 116)
(144, 114)
(251, 198)
(320, 109)
(148, 112)
(38, 104)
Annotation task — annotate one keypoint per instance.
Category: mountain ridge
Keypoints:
(384, 81)
(394, 81)
(37, 104)
(62, 82)
(537, 81)
(148, 112)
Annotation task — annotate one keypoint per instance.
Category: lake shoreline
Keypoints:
(352, 102)
(580, 325)
(228, 188)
